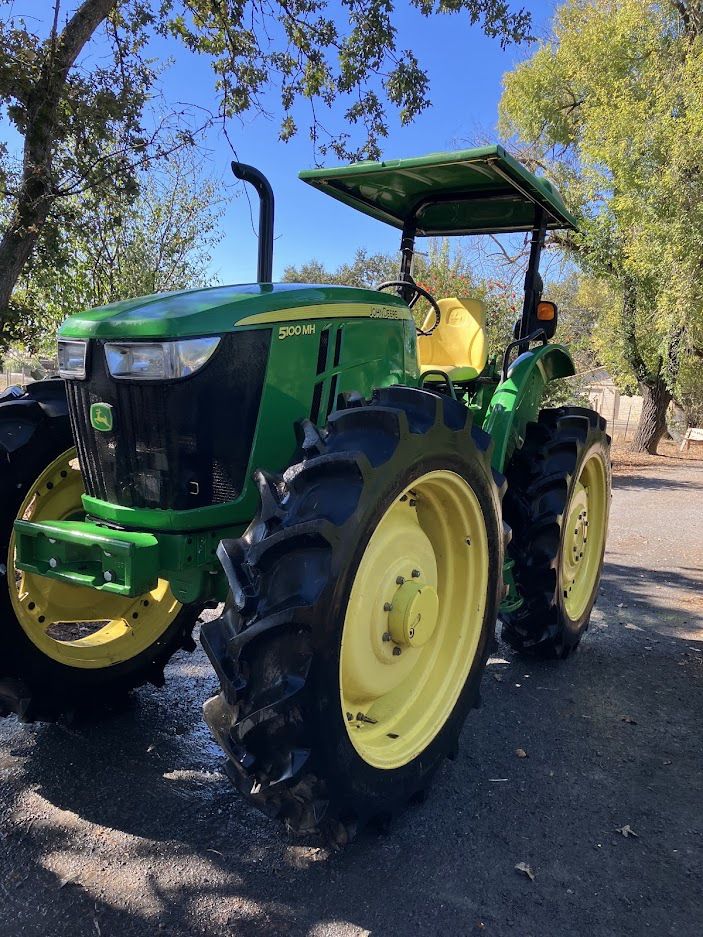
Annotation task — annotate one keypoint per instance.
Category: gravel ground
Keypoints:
(129, 827)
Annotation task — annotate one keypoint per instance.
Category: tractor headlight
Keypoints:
(158, 361)
(71, 355)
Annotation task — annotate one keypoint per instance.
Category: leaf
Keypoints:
(526, 870)
(626, 831)
(521, 753)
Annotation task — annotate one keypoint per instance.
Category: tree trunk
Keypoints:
(16, 248)
(42, 116)
(652, 425)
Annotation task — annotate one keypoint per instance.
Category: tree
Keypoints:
(120, 247)
(82, 119)
(365, 271)
(612, 107)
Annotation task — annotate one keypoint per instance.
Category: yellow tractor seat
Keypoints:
(458, 345)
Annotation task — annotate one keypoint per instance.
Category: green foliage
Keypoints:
(612, 107)
(86, 119)
(365, 271)
(582, 300)
(119, 248)
(322, 54)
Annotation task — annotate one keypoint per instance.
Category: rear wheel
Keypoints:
(557, 505)
(64, 647)
(363, 606)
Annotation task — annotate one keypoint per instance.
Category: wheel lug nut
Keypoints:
(53, 562)
(388, 607)
(396, 651)
(400, 580)
(412, 502)
(416, 574)
(386, 636)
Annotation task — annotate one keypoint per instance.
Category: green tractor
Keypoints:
(366, 497)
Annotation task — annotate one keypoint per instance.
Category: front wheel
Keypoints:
(557, 504)
(67, 648)
(363, 607)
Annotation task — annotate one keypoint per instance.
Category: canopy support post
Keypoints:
(407, 249)
(533, 280)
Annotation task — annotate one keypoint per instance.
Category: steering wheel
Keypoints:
(418, 291)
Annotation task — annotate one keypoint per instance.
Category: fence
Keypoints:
(23, 370)
(622, 413)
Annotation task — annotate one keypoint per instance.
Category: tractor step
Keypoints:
(86, 554)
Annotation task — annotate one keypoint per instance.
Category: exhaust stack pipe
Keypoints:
(264, 271)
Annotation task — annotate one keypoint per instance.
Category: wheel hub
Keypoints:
(575, 543)
(412, 618)
(406, 652)
(583, 537)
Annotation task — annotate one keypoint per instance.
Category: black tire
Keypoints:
(541, 477)
(276, 648)
(35, 430)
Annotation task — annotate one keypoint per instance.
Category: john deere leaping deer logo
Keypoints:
(101, 417)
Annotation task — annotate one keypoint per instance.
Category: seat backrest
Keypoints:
(459, 341)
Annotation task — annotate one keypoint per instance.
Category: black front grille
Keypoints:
(174, 444)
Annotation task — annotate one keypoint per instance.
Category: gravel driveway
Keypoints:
(130, 828)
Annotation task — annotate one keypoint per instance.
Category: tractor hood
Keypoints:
(220, 309)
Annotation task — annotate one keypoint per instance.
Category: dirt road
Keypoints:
(130, 828)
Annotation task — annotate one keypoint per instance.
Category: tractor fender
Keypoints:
(50, 394)
(517, 400)
(41, 407)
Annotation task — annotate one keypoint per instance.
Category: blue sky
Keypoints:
(465, 69)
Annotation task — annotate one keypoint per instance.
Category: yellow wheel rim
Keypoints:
(77, 626)
(414, 619)
(584, 536)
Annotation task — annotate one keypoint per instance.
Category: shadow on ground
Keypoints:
(129, 827)
(156, 836)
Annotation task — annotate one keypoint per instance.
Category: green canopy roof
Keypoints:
(475, 191)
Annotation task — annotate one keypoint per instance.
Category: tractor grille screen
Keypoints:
(174, 444)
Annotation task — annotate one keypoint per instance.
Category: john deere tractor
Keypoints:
(366, 497)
